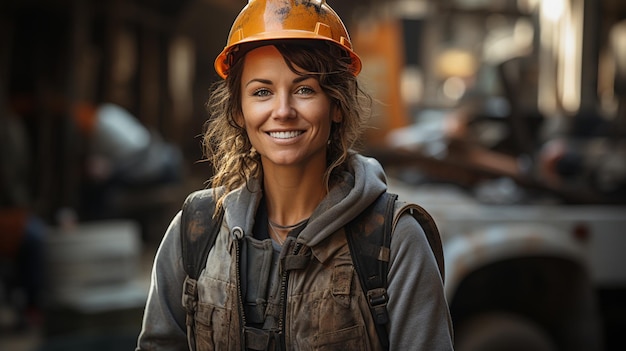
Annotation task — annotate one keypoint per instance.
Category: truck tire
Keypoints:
(500, 332)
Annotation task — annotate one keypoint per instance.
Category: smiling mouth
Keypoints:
(286, 135)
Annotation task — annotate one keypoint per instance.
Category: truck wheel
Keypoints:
(499, 332)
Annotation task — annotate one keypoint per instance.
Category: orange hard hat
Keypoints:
(270, 20)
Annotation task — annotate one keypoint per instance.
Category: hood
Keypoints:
(356, 190)
(353, 193)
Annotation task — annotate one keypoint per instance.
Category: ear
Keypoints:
(238, 119)
(336, 114)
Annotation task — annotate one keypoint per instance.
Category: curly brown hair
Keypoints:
(226, 144)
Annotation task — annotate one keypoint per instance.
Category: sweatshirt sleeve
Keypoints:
(163, 326)
(418, 310)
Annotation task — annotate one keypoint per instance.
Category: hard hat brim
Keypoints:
(222, 63)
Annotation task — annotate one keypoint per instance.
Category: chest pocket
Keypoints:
(334, 316)
(212, 328)
(214, 324)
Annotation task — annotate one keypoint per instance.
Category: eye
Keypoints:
(305, 91)
(261, 92)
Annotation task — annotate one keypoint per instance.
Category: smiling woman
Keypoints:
(287, 115)
(319, 70)
(280, 275)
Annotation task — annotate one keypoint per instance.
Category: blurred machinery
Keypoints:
(505, 119)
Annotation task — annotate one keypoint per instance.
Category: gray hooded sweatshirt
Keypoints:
(319, 306)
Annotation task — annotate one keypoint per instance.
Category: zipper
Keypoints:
(242, 316)
(283, 298)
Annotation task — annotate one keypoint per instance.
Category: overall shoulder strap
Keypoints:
(369, 238)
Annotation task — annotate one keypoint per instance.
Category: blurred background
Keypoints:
(506, 119)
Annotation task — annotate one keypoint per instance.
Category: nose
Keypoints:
(284, 106)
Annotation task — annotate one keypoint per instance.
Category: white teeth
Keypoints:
(285, 135)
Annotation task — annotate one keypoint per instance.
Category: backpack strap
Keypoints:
(369, 239)
(199, 229)
(427, 223)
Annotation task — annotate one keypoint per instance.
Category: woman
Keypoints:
(284, 120)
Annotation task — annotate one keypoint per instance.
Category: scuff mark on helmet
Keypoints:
(308, 3)
(280, 9)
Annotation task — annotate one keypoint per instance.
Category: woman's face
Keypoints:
(287, 116)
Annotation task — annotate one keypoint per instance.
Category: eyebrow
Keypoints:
(267, 81)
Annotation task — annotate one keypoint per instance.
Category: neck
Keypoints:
(292, 194)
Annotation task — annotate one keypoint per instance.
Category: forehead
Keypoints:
(262, 54)
(267, 62)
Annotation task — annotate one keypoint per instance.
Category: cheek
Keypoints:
(253, 113)
(247, 117)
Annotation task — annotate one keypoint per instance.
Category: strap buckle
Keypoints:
(377, 299)
(190, 297)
